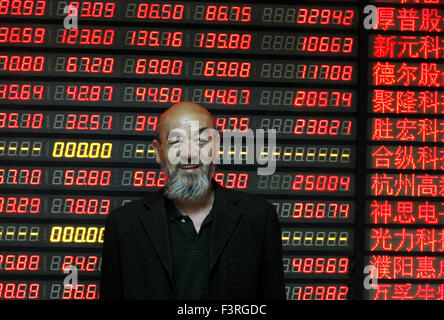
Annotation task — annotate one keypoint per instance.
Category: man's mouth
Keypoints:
(189, 168)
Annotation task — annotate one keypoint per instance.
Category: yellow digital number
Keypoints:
(80, 235)
(82, 150)
(56, 233)
(92, 232)
(69, 234)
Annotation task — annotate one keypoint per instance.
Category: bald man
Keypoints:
(193, 239)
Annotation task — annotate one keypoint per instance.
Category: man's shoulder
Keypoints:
(132, 210)
(244, 196)
(250, 203)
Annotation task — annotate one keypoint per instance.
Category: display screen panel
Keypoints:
(356, 109)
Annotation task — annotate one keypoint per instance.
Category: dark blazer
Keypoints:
(245, 256)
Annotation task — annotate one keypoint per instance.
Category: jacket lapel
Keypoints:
(156, 226)
(226, 216)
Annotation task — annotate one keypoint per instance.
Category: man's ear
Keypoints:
(156, 146)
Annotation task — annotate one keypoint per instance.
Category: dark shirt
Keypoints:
(189, 252)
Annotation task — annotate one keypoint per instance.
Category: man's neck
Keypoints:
(189, 207)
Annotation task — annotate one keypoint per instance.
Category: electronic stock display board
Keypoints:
(357, 112)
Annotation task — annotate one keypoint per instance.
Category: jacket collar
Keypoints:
(225, 217)
(174, 214)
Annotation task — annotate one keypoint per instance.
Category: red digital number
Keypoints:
(232, 180)
(160, 11)
(142, 38)
(225, 13)
(90, 65)
(22, 63)
(19, 290)
(19, 205)
(233, 41)
(146, 123)
(159, 67)
(21, 92)
(14, 120)
(149, 179)
(229, 97)
(322, 127)
(320, 292)
(92, 9)
(91, 263)
(22, 7)
(23, 262)
(224, 69)
(81, 292)
(322, 99)
(88, 122)
(87, 36)
(325, 16)
(310, 210)
(326, 72)
(22, 35)
(162, 95)
(88, 206)
(233, 123)
(327, 44)
(89, 93)
(87, 177)
(20, 176)
(321, 183)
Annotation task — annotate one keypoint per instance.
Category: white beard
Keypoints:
(187, 187)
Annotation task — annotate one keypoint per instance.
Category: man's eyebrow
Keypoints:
(172, 130)
(202, 129)
(168, 134)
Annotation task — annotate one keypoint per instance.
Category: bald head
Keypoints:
(185, 144)
(180, 115)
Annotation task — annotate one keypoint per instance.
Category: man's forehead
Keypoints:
(187, 130)
(185, 117)
(182, 116)
(188, 122)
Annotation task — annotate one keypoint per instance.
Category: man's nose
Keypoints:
(189, 153)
